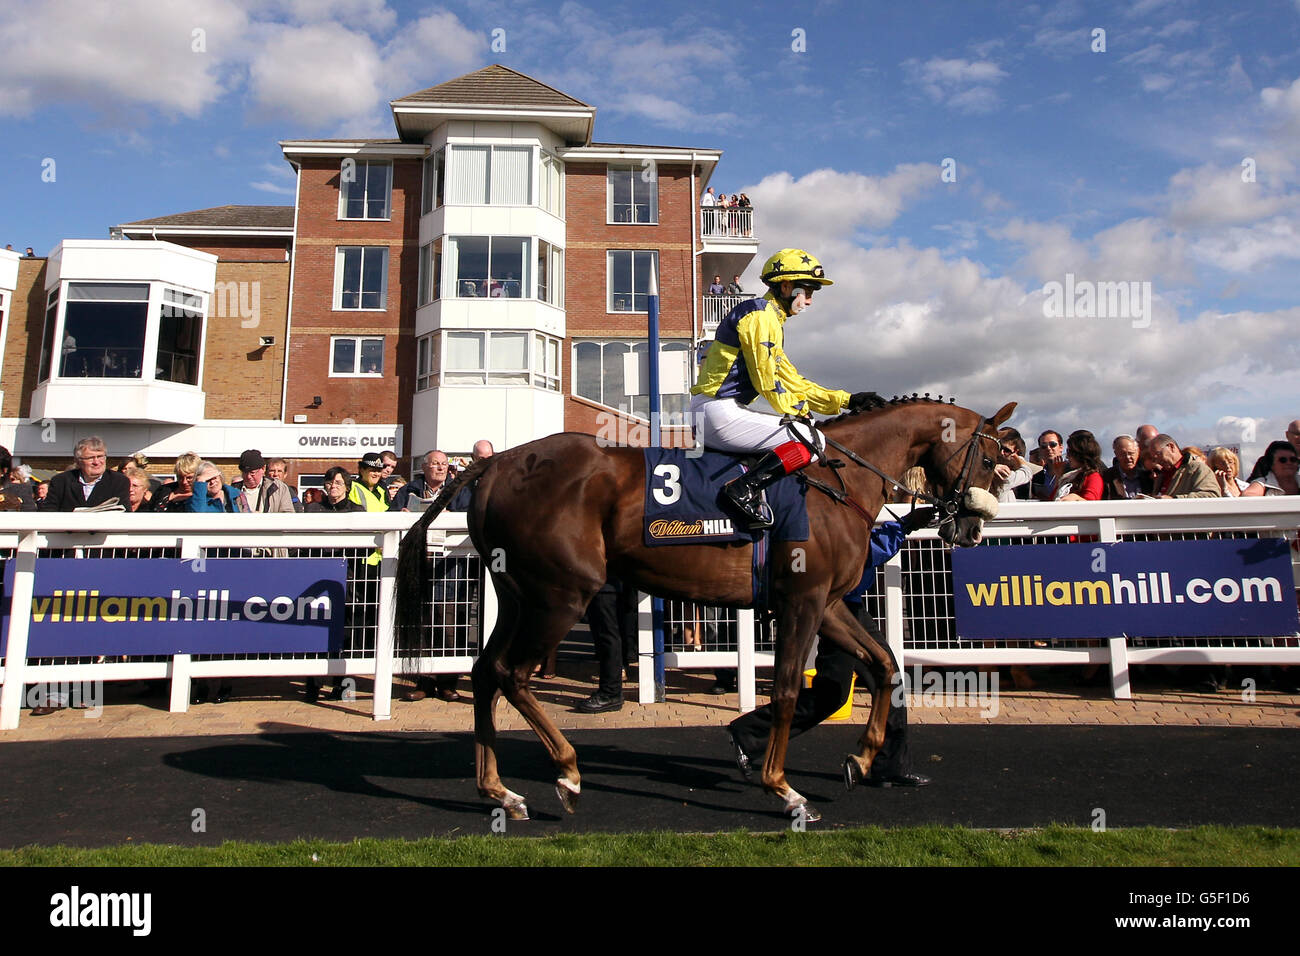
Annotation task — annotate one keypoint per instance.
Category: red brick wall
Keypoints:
(269, 249)
(386, 399)
(588, 239)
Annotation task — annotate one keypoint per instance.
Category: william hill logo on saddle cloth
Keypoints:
(681, 501)
(663, 528)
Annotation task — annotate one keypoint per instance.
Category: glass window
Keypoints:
(465, 358)
(426, 362)
(550, 273)
(467, 174)
(511, 175)
(546, 362)
(430, 267)
(361, 277)
(180, 335)
(499, 175)
(355, 355)
(629, 279)
(103, 331)
(551, 188)
(492, 267)
(509, 262)
(508, 358)
(598, 368)
(431, 194)
(498, 358)
(364, 189)
(633, 194)
(47, 338)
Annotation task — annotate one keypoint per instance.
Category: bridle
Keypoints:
(949, 506)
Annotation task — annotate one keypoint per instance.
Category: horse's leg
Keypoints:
(486, 681)
(797, 623)
(553, 624)
(840, 626)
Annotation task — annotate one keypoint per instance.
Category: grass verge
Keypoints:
(916, 846)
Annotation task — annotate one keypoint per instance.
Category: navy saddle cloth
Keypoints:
(682, 504)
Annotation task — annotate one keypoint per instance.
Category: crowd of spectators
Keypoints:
(726, 215)
(1147, 464)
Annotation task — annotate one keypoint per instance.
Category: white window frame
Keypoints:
(609, 280)
(356, 366)
(635, 171)
(362, 169)
(340, 257)
(545, 378)
(428, 287)
(544, 177)
(456, 150)
(431, 183)
(451, 266)
(554, 270)
(428, 356)
(665, 346)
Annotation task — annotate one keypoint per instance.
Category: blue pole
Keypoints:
(656, 604)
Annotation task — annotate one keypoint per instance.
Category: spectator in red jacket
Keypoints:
(1082, 454)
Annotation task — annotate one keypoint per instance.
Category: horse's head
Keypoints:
(960, 463)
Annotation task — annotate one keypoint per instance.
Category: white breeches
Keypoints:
(721, 423)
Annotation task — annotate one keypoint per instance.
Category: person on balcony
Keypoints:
(733, 287)
(746, 361)
(715, 287)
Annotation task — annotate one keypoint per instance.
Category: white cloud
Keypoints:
(317, 74)
(837, 204)
(117, 57)
(268, 187)
(1283, 103)
(1249, 248)
(963, 85)
(1213, 195)
(433, 49)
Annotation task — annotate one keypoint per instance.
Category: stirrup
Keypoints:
(754, 508)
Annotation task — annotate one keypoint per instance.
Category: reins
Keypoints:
(948, 506)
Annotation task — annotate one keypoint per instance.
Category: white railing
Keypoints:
(716, 308)
(726, 637)
(717, 222)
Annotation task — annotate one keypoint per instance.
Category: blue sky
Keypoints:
(1115, 165)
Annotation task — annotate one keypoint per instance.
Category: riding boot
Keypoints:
(746, 491)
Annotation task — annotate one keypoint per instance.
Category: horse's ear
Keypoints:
(1003, 414)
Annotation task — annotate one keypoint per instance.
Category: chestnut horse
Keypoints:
(555, 518)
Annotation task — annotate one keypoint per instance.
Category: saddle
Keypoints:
(682, 503)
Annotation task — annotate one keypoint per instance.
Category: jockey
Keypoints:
(747, 361)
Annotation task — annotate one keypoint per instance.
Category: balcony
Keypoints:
(715, 310)
(724, 222)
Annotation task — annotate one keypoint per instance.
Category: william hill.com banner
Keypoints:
(87, 607)
(1148, 589)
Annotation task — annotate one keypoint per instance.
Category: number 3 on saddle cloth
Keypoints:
(682, 507)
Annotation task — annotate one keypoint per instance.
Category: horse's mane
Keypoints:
(894, 402)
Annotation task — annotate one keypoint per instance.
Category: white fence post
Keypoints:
(745, 678)
(645, 643)
(383, 703)
(20, 620)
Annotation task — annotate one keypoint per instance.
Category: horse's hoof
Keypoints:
(514, 806)
(805, 812)
(568, 794)
(852, 773)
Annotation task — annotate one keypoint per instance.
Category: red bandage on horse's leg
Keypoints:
(794, 455)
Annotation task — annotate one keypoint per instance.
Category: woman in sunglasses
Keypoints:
(1275, 472)
(1084, 455)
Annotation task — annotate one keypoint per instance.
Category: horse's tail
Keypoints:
(414, 570)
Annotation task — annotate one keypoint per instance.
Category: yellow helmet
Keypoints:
(794, 265)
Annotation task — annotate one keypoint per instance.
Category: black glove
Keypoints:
(918, 518)
(861, 400)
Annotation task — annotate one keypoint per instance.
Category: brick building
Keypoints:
(483, 274)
